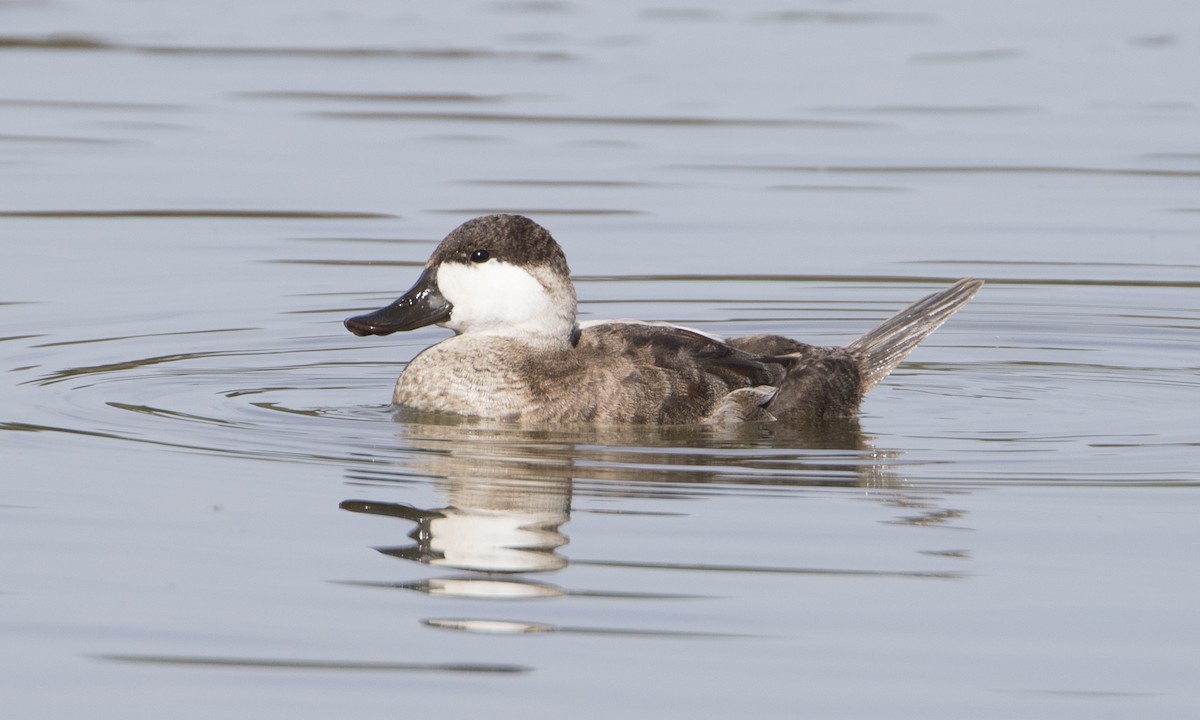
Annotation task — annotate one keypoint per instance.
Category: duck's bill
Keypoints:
(422, 305)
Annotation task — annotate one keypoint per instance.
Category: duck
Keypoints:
(519, 354)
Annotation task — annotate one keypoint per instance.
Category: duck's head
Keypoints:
(494, 275)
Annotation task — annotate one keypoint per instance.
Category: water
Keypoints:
(209, 509)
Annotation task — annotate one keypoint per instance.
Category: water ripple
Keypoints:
(323, 399)
(328, 665)
(88, 43)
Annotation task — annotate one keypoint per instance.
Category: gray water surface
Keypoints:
(210, 510)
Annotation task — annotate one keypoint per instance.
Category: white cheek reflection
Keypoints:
(490, 541)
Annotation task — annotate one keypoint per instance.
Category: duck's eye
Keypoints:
(480, 256)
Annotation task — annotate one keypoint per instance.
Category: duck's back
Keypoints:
(652, 373)
(632, 372)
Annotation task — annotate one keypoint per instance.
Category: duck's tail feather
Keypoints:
(882, 349)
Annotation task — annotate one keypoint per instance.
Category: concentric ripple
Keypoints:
(1025, 368)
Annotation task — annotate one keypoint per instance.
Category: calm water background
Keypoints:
(210, 511)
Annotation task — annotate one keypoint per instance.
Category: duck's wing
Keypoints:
(682, 350)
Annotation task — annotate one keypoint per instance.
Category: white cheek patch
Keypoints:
(493, 297)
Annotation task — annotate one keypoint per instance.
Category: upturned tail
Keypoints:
(883, 348)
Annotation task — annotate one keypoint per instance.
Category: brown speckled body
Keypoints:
(630, 373)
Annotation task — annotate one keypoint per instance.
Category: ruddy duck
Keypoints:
(501, 283)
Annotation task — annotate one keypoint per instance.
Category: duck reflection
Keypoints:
(508, 490)
(506, 493)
